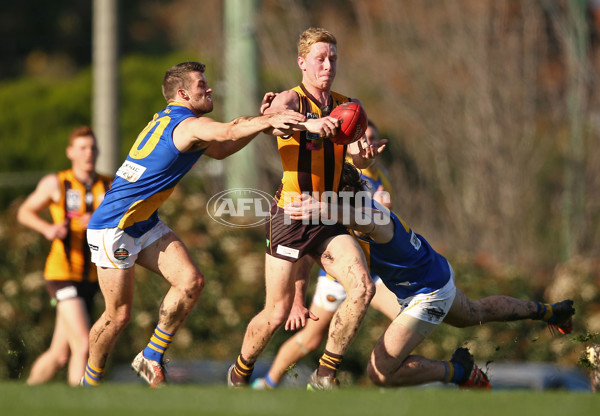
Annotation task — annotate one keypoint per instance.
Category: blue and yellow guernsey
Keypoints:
(407, 264)
(147, 177)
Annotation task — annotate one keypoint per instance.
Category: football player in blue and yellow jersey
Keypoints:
(126, 229)
(423, 282)
(71, 196)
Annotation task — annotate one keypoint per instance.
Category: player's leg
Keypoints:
(280, 276)
(385, 301)
(73, 315)
(465, 312)
(328, 296)
(302, 343)
(54, 358)
(116, 286)
(168, 257)
(342, 258)
(391, 362)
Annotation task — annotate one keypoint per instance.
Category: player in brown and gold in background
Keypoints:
(71, 196)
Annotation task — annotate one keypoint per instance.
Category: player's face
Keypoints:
(372, 135)
(83, 153)
(319, 66)
(200, 94)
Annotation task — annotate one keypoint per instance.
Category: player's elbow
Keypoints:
(218, 156)
(22, 215)
(217, 151)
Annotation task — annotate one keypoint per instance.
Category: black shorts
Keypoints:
(294, 240)
(68, 289)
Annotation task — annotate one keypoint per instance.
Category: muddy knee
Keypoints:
(363, 292)
(194, 285)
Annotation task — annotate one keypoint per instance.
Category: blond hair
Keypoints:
(311, 36)
(177, 77)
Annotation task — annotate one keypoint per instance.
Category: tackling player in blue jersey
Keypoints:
(126, 230)
(423, 282)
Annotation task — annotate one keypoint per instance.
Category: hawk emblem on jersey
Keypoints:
(73, 200)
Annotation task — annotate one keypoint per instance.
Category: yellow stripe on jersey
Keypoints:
(142, 210)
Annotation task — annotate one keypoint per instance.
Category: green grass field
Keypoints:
(134, 399)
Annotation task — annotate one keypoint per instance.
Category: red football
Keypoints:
(353, 122)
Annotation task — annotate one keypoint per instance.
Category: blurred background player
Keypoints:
(71, 195)
(329, 294)
(423, 282)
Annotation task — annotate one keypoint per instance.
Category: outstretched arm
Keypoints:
(289, 100)
(224, 139)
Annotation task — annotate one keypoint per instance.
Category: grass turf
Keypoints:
(134, 399)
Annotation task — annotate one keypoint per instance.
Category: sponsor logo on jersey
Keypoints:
(414, 240)
(131, 171)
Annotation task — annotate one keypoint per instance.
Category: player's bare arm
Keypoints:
(224, 139)
(299, 314)
(374, 224)
(289, 100)
(46, 192)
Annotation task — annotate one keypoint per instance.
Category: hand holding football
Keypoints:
(353, 122)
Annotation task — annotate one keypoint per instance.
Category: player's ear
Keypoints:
(183, 94)
(69, 152)
(302, 63)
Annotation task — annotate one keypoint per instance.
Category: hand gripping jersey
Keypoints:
(310, 164)
(147, 177)
(69, 258)
(407, 264)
